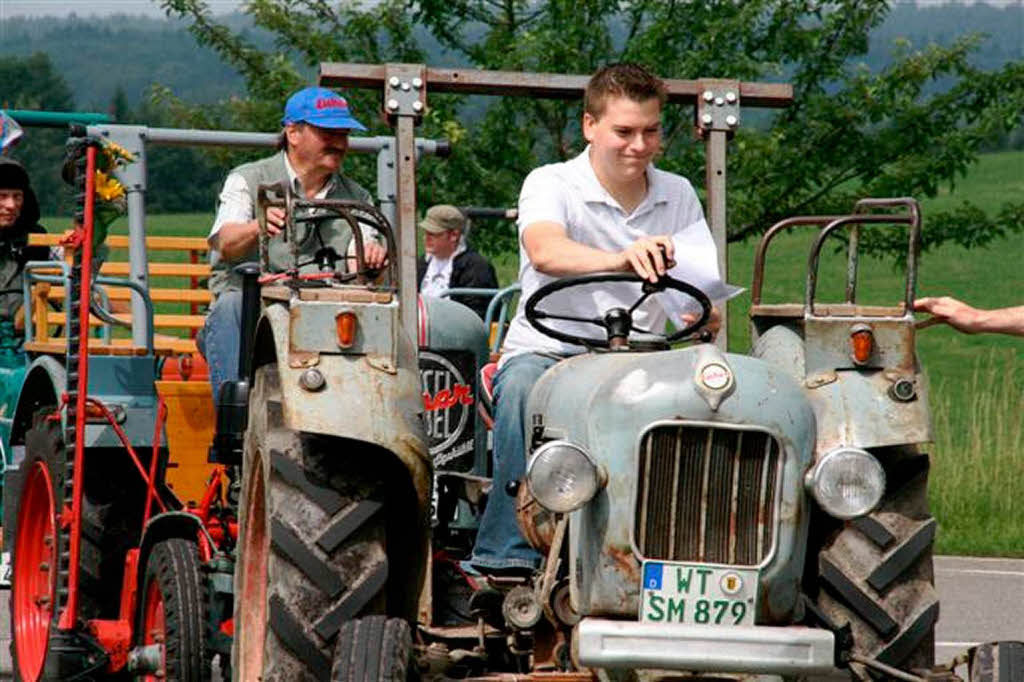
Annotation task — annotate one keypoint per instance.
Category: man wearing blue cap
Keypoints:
(314, 140)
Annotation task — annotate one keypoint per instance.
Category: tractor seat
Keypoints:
(486, 403)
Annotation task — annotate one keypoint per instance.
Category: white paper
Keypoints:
(697, 264)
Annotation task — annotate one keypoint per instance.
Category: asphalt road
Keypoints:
(981, 600)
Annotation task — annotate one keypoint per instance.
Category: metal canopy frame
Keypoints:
(137, 139)
(716, 114)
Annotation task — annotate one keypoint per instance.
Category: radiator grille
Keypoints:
(706, 494)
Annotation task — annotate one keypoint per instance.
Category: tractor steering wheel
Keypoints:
(617, 322)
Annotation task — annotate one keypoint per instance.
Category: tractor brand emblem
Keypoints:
(448, 404)
(731, 583)
(715, 376)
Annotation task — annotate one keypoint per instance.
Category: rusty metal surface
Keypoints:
(854, 408)
(828, 343)
(313, 328)
(910, 219)
(604, 402)
(715, 176)
(405, 163)
(526, 84)
(719, 488)
(354, 390)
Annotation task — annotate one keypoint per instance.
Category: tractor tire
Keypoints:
(876, 572)
(41, 488)
(374, 649)
(997, 662)
(311, 550)
(171, 612)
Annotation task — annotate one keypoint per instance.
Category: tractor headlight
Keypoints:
(562, 476)
(847, 482)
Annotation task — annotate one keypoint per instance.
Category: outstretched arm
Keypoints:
(963, 317)
(554, 253)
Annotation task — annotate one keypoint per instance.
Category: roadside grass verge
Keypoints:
(978, 458)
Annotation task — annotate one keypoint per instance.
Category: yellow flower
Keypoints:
(108, 188)
(116, 152)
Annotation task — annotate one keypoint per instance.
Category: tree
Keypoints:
(849, 133)
(32, 83)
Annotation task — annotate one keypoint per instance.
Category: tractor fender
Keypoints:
(164, 527)
(361, 399)
(45, 381)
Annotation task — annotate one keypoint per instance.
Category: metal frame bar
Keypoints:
(136, 139)
(401, 98)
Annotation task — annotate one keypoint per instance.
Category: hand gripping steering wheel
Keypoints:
(617, 322)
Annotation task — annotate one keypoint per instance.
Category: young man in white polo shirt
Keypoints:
(608, 209)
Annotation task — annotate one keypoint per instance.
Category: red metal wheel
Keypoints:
(35, 571)
(154, 627)
(252, 593)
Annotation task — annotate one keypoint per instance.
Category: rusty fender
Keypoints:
(367, 398)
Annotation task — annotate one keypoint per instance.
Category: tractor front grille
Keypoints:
(706, 494)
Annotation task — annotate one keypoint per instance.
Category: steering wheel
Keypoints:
(617, 322)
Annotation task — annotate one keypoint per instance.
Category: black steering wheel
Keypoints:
(617, 322)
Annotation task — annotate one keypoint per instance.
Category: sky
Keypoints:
(60, 8)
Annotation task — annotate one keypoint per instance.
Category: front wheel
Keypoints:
(876, 572)
(373, 649)
(171, 614)
(997, 662)
(311, 551)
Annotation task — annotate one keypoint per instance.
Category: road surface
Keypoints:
(981, 600)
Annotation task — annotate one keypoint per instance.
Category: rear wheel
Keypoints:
(34, 496)
(373, 649)
(34, 584)
(311, 545)
(171, 612)
(876, 572)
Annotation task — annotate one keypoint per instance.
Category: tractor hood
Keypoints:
(614, 404)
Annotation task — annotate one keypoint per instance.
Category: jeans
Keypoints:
(221, 337)
(499, 544)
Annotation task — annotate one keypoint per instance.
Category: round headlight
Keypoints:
(562, 476)
(847, 482)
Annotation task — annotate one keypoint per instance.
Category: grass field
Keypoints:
(976, 382)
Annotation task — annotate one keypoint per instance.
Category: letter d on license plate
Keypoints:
(697, 594)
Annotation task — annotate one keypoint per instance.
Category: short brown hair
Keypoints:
(621, 80)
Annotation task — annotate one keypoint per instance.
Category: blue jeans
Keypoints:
(499, 544)
(221, 337)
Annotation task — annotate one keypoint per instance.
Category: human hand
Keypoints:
(956, 314)
(275, 220)
(375, 254)
(649, 257)
(713, 324)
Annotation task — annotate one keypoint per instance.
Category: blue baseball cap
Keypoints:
(320, 107)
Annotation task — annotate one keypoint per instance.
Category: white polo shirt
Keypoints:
(570, 194)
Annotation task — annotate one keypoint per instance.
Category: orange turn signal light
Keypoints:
(862, 344)
(346, 324)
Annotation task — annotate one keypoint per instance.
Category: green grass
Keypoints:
(976, 382)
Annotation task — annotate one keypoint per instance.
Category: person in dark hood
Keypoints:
(19, 217)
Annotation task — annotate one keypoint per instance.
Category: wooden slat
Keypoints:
(159, 320)
(160, 269)
(156, 295)
(120, 241)
(163, 346)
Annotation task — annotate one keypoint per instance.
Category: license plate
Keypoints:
(695, 594)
